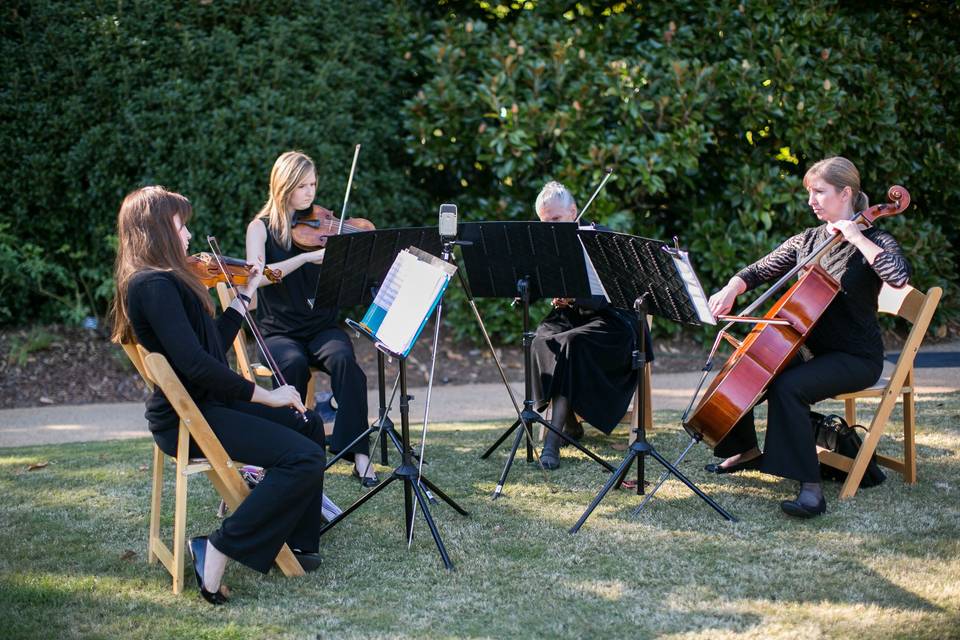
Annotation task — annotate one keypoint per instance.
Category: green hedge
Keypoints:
(99, 98)
(709, 112)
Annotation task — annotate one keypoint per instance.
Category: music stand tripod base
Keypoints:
(408, 474)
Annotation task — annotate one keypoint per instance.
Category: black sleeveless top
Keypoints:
(282, 308)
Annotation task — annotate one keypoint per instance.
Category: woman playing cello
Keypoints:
(845, 343)
(298, 334)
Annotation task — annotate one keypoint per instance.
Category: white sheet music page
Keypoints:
(681, 259)
(413, 291)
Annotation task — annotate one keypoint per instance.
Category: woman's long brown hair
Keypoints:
(149, 240)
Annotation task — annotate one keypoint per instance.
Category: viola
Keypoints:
(310, 231)
(204, 266)
(769, 347)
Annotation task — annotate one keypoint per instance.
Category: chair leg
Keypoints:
(855, 475)
(156, 492)
(180, 509)
(850, 411)
(311, 400)
(909, 443)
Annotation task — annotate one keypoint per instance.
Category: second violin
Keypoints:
(204, 266)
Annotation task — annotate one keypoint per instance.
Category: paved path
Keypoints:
(50, 425)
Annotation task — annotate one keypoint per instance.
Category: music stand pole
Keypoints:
(529, 415)
(640, 447)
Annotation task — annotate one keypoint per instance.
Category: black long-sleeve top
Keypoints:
(849, 324)
(168, 318)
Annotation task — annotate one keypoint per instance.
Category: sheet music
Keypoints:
(596, 287)
(409, 293)
(681, 260)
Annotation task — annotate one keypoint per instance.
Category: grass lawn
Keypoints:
(883, 565)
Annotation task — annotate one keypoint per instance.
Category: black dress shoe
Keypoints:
(797, 509)
(372, 481)
(309, 560)
(714, 467)
(198, 552)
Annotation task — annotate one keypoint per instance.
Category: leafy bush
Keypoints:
(709, 112)
(201, 97)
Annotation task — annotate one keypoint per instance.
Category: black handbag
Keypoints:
(833, 433)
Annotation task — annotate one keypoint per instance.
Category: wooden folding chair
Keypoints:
(250, 370)
(917, 308)
(220, 469)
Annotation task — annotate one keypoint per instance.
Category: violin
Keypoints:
(310, 231)
(770, 346)
(204, 266)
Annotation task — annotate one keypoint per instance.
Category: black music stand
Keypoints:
(526, 261)
(354, 265)
(353, 261)
(639, 273)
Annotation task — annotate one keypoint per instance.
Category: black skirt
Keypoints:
(587, 356)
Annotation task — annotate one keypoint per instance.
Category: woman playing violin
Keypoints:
(582, 351)
(298, 334)
(845, 344)
(162, 305)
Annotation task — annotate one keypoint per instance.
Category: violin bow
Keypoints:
(346, 196)
(257, 336)
(609, 173)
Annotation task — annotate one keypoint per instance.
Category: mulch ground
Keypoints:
(58, 365)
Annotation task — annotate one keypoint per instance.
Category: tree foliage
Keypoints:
(709, 112)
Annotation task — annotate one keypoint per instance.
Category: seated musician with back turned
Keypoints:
(582, 350)
(845, 342)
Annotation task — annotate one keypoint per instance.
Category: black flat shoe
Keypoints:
(550, 458)
(797, 509)
(366, 482)
(714, 467)
(198, 552)
(308, 560)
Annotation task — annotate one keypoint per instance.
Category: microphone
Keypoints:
(448, 222)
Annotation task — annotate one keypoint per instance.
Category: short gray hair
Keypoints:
(554, 192)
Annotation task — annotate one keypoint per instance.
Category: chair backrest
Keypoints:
(136, 354)
(225, 476)
(244, 367)
(916, 308)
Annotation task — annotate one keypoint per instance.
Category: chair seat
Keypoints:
(876, 391)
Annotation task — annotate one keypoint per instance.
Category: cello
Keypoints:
(779, 334)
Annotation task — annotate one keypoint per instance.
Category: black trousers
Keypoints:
(332, 352)
(286, 505)
(790, 450)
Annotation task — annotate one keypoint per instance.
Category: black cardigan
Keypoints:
(849, 324)
(168, 318)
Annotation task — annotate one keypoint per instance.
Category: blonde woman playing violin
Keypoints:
(298, 334)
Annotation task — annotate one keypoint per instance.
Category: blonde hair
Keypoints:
(147, 239)
(839, 172)
(289, 169)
